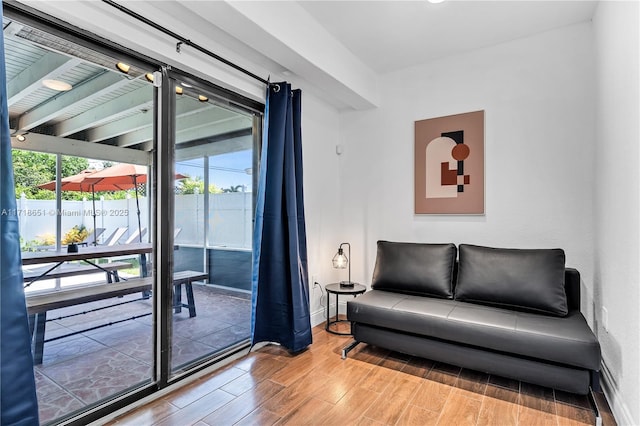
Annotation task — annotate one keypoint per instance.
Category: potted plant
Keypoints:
(75, 235)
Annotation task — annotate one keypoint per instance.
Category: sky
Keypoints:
(225, 170)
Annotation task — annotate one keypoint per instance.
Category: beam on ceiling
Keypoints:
(61, 104)
(117, 128)
(188, 134)
(101, 19)
(50, 66)
(66, 146)
(204, 123)
(289, 35)
(110, 110)
(12, 29)
(242, 143)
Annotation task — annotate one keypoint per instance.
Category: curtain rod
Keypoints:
(183, 40)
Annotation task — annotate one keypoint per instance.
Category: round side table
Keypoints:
(337, 289)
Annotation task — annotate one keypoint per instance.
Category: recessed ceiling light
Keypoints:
(178, 90)
(122, 67)
(149, 76)
(58, 85)
(21, 138)
(202, 98)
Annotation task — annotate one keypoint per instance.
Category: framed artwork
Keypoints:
(449, 164)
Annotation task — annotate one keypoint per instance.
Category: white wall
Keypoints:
(538, 98)
(616, 274)
(320, 134)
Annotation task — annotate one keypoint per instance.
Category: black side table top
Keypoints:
(336, 288)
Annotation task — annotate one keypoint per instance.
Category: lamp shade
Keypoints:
(340, 260)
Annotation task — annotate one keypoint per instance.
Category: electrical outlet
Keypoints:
(605, 319)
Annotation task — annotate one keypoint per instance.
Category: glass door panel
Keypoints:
(212, 236)
(84, 353)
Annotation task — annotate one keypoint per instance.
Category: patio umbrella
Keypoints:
(69, 183)
(77, 183)
(123, 176)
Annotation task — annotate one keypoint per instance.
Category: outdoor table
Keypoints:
(39, 304)
(85, 254)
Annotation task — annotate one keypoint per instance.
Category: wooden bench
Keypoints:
(39, 304)
(69, 270)
(186, 278)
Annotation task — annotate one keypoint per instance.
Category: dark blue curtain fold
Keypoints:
(18, 402)
(280, 272)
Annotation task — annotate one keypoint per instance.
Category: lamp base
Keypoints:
(347, 284)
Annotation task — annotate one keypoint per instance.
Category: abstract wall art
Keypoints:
(449, 164)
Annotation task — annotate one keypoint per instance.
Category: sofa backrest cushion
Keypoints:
(524, 279)
(412, 268)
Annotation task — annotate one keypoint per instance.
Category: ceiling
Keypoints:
(338, 49)
(105, 106)
(341, 49)
(392, 35)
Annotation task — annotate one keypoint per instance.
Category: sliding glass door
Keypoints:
(192, 148)
(214, 161)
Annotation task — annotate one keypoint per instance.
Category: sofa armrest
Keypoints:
(572, 288)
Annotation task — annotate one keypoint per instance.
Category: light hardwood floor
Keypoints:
(372, 387)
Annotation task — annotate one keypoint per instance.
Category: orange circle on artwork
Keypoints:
(460, 151)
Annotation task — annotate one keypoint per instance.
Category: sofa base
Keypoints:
(555, 376)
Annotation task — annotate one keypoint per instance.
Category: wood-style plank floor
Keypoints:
(373, 386)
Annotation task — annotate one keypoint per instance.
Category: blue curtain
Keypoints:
(280, 272)
(18, 402)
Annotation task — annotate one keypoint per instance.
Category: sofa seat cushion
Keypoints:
(566, 340)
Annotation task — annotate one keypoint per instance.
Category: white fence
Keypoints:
(229, 218)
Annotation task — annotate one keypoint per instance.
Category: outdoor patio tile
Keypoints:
(130, 331)
(85, 368)
(69, 348)
(140, 348)
(201, 325)
(44, 385)
(226, 337)
(186, 350)
(53, 329)
(100, 375)
(101, 317)
(56, 405)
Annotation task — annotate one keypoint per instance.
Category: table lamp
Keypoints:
(341, 261)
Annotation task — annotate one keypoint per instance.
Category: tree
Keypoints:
(189, 185)
(236, 188)
(32, 168)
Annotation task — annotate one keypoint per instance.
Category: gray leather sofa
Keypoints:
(509, 312)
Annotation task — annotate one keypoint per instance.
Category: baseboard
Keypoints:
(619, 409)
(320, 315)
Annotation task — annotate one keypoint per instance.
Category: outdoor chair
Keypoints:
(136, 236)
(115, 237)
(93, 237)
